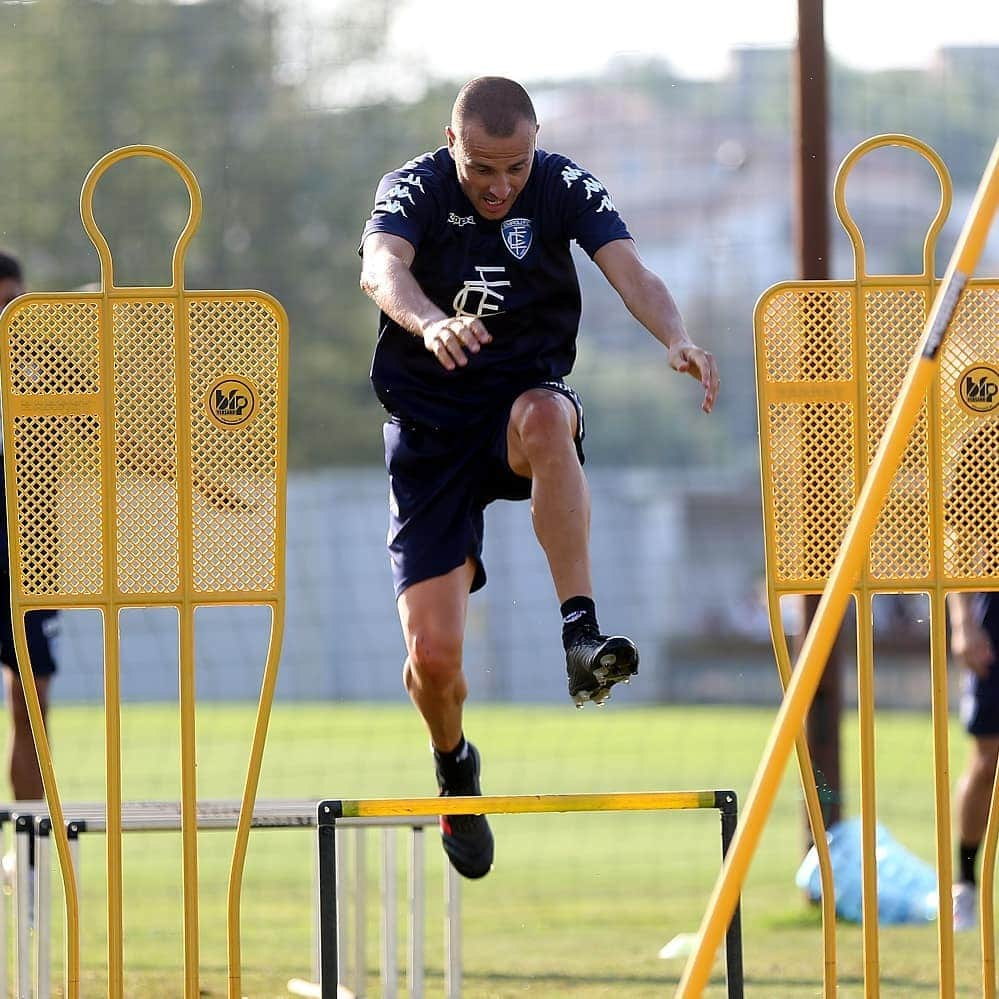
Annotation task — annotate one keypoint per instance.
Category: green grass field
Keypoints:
(578, 905)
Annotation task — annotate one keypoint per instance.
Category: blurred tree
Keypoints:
(284, 188)
(289, 123)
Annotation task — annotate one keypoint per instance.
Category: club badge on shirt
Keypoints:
(517, 235)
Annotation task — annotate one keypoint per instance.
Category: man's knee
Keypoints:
(541, 420)
(434, 656)
(983, 760)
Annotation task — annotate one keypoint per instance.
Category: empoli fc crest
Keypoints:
(517, 235)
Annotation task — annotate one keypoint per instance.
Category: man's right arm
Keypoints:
(386, 278)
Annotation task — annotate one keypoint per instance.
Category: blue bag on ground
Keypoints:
(907, 886)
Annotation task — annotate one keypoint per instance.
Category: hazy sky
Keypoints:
(537, 38)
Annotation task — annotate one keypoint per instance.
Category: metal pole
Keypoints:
(728, 809)
(24, 908)
(4, 937)
(344, 894)
(43, 910)
(360, 915)
(822, 725)
(73, 830)
(417, 915)
(390, 916)
(316, 923)
(326, 833)
(452, 934)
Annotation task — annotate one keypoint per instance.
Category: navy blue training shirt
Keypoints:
(516, 274)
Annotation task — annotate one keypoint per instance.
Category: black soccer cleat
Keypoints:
(467, 839)
(594, 663)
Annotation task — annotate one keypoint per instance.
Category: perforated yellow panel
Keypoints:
(900, 547)
(811, 469)
(831, 359)
(235, 548)
(61, 414)
(969, 437)
(810, 335)
(52, 363)
(146, 493)
(818, 435)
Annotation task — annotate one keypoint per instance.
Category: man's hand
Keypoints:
(448, 339)
(971, 646)
(650, 302)
(688, 358)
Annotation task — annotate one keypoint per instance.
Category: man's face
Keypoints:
(492, 171)
(10, 288)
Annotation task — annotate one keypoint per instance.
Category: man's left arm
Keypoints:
(650, 302)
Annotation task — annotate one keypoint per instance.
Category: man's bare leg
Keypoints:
(541, 446)
(974, 789)
(25, 776)
(972, 798)
(433, 614)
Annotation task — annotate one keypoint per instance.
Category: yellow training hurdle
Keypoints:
(333, 811)
(146, 460)
(875, 478)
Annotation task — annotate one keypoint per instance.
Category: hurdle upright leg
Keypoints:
(24, 830)
(417, 915)
(728, 808)
(390, 976)
(452, 934)
(43, 911)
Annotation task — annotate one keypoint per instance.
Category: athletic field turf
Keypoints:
(578, 905)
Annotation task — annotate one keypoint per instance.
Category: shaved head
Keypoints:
(497, 103)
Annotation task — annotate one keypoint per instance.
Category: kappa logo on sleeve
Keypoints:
(392, 200)
(591, 185)
(391, 207)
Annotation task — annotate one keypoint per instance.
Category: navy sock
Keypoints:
(967, 854)
(577, 613)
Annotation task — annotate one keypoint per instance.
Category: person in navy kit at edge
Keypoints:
(467, 255)
(40, 626)
(974, 642)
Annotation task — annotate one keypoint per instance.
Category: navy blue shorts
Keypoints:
(440, 484)
(980, 694)
(980, 702)
(39, 626)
